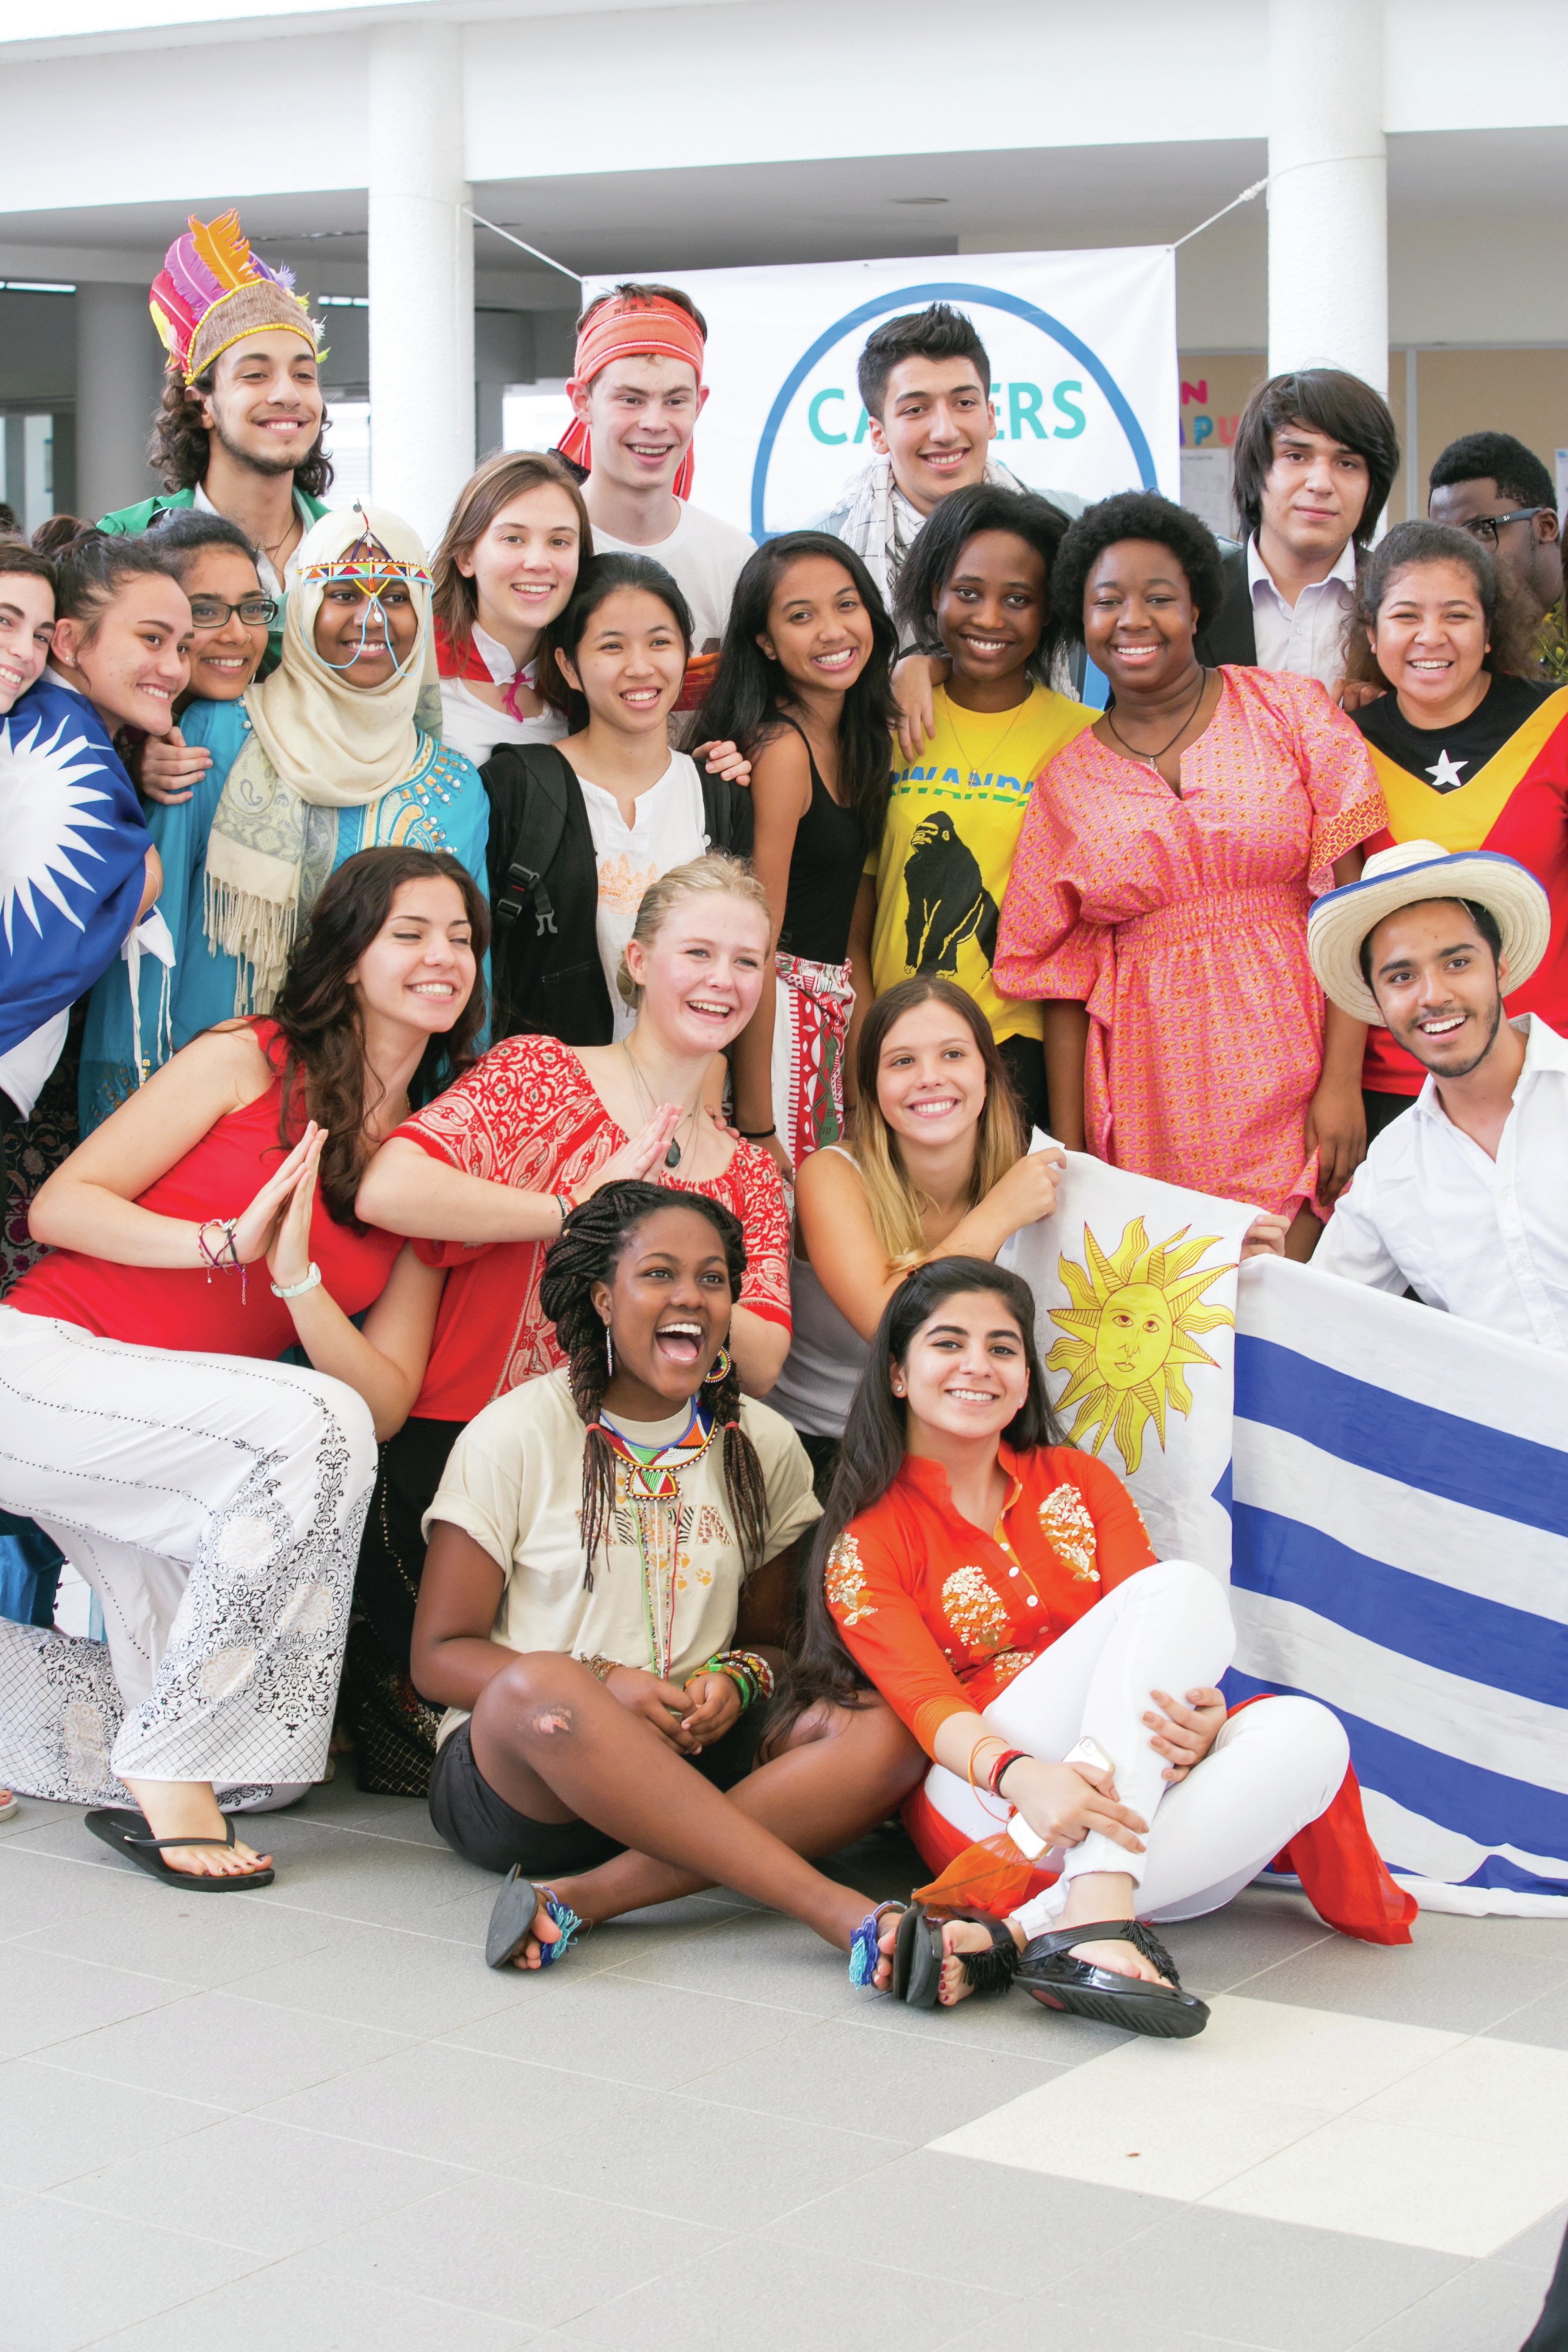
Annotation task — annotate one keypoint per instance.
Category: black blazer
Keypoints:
(547, 977)
(1229, 635)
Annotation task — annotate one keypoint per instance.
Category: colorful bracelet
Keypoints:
(598, 1666)
(1008, 1756)
(991, 1739)
(215, 1261)
(752, 1675)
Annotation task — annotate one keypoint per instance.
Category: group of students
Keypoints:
(485, 1102)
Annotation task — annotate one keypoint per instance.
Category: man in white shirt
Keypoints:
(636, 393)
(1314, 460)
(1463, 1201)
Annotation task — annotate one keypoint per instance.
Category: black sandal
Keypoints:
(1049, 1973)
(918, 1957)
(126, 1832)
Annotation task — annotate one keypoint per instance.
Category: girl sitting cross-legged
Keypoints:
(601, 1540)
(998, 1589)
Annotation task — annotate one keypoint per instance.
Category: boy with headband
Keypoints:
(637, 390)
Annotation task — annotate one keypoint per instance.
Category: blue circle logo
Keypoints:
(918, 298)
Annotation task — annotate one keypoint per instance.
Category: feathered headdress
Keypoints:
(211, 292)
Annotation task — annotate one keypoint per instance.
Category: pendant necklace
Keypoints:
(674, 1155)
(1152, 759)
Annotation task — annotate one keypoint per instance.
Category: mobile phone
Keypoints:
(1089, 1751)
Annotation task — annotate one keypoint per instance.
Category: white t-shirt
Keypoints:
(669, 831)
(704, 557)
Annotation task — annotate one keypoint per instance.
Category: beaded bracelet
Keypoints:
(752, 1675)
(598, 1666)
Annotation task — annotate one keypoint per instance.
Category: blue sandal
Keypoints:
(518, 1906)
(865, 1952)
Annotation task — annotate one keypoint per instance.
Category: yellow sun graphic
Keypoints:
(1130, 1335)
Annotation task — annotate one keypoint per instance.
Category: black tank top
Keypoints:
(824, 873)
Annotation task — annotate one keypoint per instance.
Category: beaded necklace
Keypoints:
(648, 1478)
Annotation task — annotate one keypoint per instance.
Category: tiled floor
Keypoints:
(310, 2119)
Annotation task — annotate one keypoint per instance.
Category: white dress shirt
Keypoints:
(1488, 1239)
(1308, 637)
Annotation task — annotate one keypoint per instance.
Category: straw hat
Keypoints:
(1402, 876)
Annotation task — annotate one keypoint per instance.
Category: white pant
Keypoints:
(1273, 1768)
(215, 1503)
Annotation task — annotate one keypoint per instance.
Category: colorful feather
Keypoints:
(223, 246)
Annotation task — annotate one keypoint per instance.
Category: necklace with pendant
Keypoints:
(674, 1155)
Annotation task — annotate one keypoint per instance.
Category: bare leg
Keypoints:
(549, 1740)
(842, 1771)
(189, 1808)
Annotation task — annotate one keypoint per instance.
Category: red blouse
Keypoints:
(527, 1115)
(941, 1617)
(169, 1306)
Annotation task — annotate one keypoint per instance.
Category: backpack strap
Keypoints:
(548, 779)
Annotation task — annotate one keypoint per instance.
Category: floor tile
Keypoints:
(716, 2164)
(68, 2276)
(55, 2125)
(758, 1957)
(793, 2296)
(270, 2187)
(940, 2215)
(1447, 1976)
(1258, 1930)
(201, 1939)
(524, 2253)
(1181, 2119)
(1245, 2281)
(44, 2000)
(1480, 2311)
(375, 1882)
(43, 1890)
(1536, 2249)
(654, 2035)
(902, 2085)
(339, 1803)
(1041, 2325)
(415, 1984)
(1543, 2021)
(304, 2303)
(235, 2053)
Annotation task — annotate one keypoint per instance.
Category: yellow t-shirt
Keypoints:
(947, 846)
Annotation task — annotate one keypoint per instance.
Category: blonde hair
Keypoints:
(896, 1207)
(715, 876)
(455, 597)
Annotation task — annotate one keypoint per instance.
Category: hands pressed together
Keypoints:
(689, 1717)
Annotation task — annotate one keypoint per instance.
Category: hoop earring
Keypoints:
(721, 1368)
(609, 1353)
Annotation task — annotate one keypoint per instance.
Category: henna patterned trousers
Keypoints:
(215, 1503)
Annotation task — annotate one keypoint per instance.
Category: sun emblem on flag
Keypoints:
(44, 822)
(1131, 1335)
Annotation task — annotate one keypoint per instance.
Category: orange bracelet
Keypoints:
(992, 1740)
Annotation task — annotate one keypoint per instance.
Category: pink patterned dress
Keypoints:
(1181, 924)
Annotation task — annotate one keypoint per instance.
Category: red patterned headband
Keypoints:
(632, 324)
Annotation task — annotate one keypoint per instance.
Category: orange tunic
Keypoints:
(940, 1617)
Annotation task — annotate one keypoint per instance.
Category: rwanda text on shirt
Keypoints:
(947, 846)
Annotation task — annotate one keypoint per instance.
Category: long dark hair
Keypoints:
(875, 1444)
(90, 564)
(588, 1251)
(180, 447)
(322, 1046)
(748, 691)
(600, 578)
(934, 557)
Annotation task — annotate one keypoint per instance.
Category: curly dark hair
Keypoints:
(934, 557)
(320, 1050)
(873, 1450)
(1135, 514)
(180, 446)
(588, 1251)
(1497, 457)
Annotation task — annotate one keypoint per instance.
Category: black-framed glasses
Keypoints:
(256, 612)
(1485, 527)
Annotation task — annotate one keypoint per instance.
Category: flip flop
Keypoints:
(1049, 1973)
(918, 1956)
(512, 1922)
(125, 1832)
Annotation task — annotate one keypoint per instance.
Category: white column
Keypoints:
(1328, 197)
(421, 275)
(119, 379)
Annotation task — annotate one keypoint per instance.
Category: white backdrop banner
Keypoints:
(1083, 368)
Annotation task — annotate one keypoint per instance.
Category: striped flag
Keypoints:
(1399, 1497)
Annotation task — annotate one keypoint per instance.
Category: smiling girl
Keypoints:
(602, 1538)
(998, 1588)
(210, 1494)
(1466, 756)
(507, 561)
(802, 686)
(485, 1178)
(1158, 900)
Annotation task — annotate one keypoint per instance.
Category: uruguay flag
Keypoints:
(1400, 1494)
(73, 850)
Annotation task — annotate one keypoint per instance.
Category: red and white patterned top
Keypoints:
(527, 1115)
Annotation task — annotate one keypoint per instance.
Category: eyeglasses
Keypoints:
(256, 612)
(1485, 527)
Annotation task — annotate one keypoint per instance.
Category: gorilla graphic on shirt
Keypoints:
(949, 902)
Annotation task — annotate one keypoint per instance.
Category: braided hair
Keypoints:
(588, 1251)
